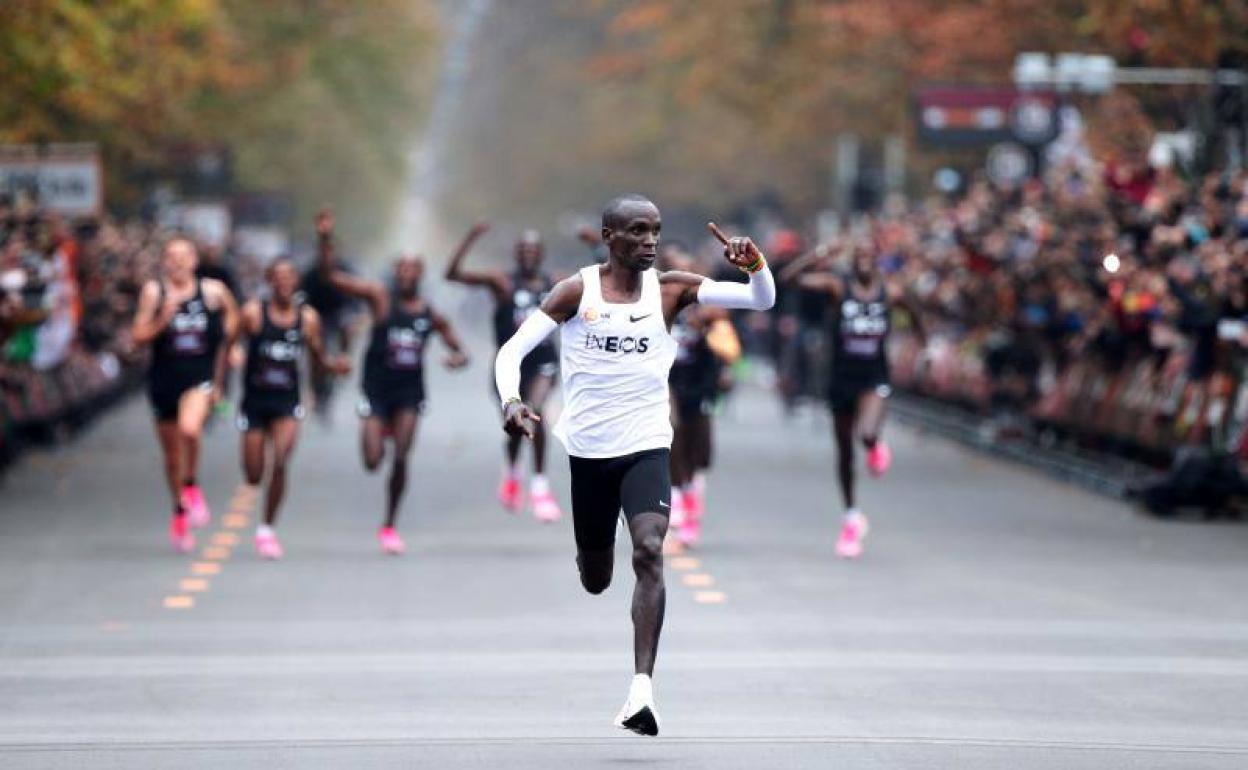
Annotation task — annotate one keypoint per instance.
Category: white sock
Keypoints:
(538, 485)
(641, 690)
(511, 471)
(265, 531)
(853, 513)
(678, 498)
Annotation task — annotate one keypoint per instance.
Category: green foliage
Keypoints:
(319, 98)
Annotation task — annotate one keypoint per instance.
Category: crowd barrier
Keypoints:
(1151, 407)
(38, 405)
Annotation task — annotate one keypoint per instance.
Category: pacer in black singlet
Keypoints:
(279, 330)
(184, 353)
(858, 379)
(859, 336)
(394, 373)
(517, 295)
(394, 363)
(189, 323)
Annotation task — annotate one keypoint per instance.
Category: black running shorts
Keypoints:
(165, 395)
(639, 483)
(260, 416)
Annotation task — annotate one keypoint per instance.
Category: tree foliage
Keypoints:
(714, 103)
(320, 98)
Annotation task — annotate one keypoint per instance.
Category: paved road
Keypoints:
(999, 619)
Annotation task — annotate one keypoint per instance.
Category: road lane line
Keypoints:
(214, 553)
(180, 602)
(193, 585)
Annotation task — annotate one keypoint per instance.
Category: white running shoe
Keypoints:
(639, 714)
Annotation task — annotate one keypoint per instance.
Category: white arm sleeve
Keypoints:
(758, 294)
(535, 328)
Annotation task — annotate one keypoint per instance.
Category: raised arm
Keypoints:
(758, 294)
(562, 304)
(494, 280)
(371, 292)
(797, 272)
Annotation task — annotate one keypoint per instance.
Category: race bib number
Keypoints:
(276, 378)
(862, 346)
(189, 344)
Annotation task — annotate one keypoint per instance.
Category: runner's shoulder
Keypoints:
(564, 298)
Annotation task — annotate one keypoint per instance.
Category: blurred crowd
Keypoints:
(67, 296)
(1122, 266)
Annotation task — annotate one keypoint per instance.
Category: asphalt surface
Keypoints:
(998, 619)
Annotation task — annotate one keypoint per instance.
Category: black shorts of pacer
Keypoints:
(640, 482)
(844, 393)
(260, 416)
(165, 395)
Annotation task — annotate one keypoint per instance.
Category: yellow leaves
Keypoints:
(641, 17)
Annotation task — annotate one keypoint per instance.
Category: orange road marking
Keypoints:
(179, 602)
(685, 563)
(698, 580)
(215, 553)
(234, 520)
(205, 568)
(193, 585)
(225, 538)
(710, 597)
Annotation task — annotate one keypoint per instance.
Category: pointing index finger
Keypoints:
(715, 231)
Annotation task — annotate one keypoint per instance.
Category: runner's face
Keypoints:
(284, 281)
(864, 264)
(529, 255)
(180, 260)
(407, 274)
(634, 244)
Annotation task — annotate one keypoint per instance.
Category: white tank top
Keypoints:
(613, 363)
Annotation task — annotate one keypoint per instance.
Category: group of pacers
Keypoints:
(644, 340)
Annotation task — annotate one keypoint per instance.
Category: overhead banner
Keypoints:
(979, 116)
(66, 179)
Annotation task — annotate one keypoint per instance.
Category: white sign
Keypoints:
(71, 184)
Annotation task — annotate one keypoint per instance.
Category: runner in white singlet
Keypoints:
(616, 424)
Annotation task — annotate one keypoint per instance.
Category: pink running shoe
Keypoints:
(853, 534)
(509, 494)
(196, 507)
(545, 507)
(679, 511)
(691, 531)
(695, 505)
(879, 457)
(180, 534)
(390, 541)
(268, 547)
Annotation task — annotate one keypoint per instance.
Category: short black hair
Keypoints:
(611, 213)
